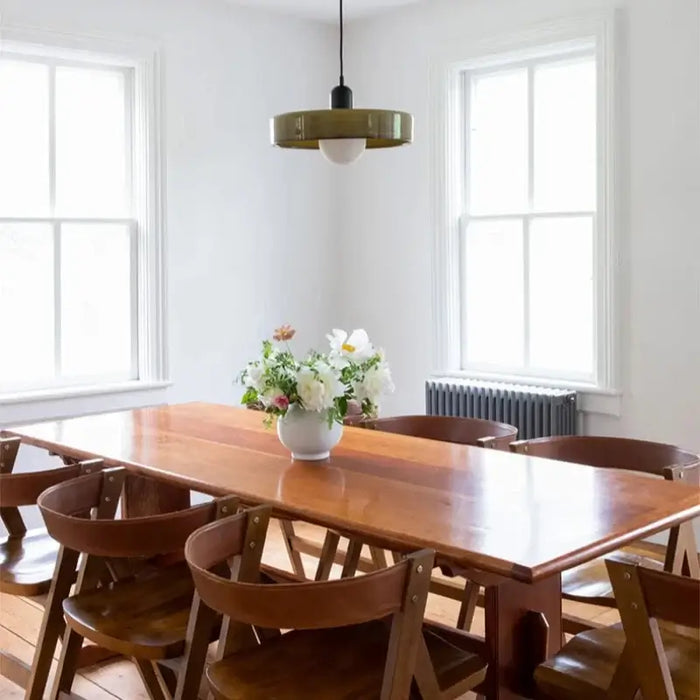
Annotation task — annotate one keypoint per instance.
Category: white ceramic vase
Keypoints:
(306, 433)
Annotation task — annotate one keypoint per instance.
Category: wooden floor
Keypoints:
(20, 619)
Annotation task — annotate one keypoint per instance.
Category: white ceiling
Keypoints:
(326, 10)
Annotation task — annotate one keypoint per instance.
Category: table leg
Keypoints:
(144, 496)
(517, 640)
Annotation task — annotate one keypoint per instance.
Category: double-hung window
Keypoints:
(531, 293)
(79, 238)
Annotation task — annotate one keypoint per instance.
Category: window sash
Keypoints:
(60, 378)
(527, 369)
(526, 217)
(129, 87)
(143, 59)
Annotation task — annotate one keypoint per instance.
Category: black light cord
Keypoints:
(342, 77)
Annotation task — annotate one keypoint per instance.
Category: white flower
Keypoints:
(330, 377)
(337, 361)
(310, 390)
(254, 376)
(376, 382)
(354, 347)
(317, 389)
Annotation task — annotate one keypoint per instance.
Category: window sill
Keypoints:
(65, 402)
(87, 390)
(591, 398)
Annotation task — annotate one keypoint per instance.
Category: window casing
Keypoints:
(510, 281)
(80, 222)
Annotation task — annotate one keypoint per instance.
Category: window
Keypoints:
(79, 239)
(524, 261)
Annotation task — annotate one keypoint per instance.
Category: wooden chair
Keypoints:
(463, 431)
(646, 653)
(589, 582)
(28, 557)
(357, 638)
(134, 594)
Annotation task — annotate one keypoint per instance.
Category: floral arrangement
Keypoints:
(351, 374)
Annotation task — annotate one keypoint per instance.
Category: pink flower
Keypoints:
(285, 332)
(281, 402)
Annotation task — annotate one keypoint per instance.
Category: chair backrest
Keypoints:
(23, 488)
(400, 590)
(644, 596)
(80, 515)
(613, 452)
(465, 431)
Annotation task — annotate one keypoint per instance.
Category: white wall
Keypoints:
(386, 245)
(258, 236)
(250, 229)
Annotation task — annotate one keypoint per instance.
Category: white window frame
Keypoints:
(449, 149)
(141, 62)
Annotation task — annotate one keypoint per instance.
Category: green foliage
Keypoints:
(250, 397)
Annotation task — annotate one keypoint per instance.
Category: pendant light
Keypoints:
(342, 133)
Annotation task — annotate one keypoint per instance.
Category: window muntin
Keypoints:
(68, 250)
(529, 221)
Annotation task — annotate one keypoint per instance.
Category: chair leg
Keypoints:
(91, 654)
(199, 632)
(14, 669)
(67, 664)
(89, 575)
(168, 672)
(352, 558)
(468, 606)
(378, 557)
(397, 557)
(151, 680)
(539, 636)
(52, 623)
(288, 535)
(330, 547)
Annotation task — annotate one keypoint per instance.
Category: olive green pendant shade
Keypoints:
(342, 133)
(382, 128)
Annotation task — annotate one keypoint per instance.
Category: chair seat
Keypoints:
(27, 563)
(585, 666)
(589, 583)
(345, 663)
(144, 617)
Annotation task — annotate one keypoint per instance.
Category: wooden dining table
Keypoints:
(516, 522)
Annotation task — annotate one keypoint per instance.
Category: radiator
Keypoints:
(535, 411)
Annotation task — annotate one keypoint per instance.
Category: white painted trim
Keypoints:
(73, 391)
(62, 220)
(87, 48)
(557, 36)
(57, 296)
(608, 264)
(143, 60)
(83, 401)
(148, 176)
(478, 51)
(447, 160)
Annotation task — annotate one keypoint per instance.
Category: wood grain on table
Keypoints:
(516, 516)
